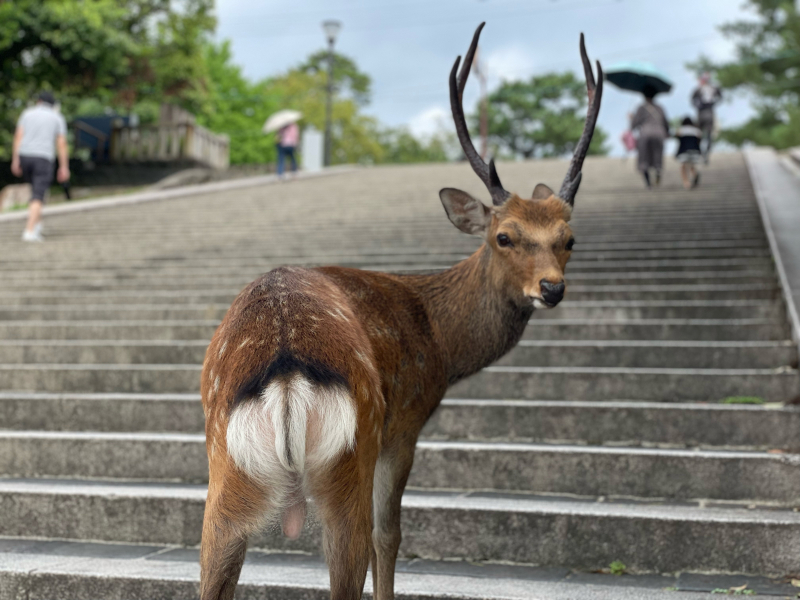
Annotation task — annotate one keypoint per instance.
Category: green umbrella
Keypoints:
(635, 75)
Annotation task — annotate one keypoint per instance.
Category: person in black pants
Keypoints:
(41, 135)
(689, 152)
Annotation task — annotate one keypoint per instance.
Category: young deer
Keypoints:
(318, 381)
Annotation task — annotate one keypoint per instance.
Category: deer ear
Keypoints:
(541, 192)
(465, 212)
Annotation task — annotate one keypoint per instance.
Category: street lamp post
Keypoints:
(331, 29)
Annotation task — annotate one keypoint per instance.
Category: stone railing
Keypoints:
(172, 142)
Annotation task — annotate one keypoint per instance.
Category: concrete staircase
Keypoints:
(603, 437)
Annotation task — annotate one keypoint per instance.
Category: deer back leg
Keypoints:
(343, 496)
(391, 474)
(235, 507)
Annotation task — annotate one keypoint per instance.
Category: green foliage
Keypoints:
(237, 108)
(348, 81)
(541, 117)
(116, 53)
(355, 135)
(742, 400)
(734, 591)
(400, 146)
(617, 568)
(129, 56)
(767, 65)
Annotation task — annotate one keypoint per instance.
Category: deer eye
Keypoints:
(503, 240)
(570, 244)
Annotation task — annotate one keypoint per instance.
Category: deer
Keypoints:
(318, 381)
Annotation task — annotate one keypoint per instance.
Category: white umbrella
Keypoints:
(280, 119)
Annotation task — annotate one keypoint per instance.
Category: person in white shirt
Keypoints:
(41, 136)
(704, 98)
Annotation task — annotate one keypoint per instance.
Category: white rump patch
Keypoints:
(293, 426)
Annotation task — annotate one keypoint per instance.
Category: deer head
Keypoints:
(529, 239)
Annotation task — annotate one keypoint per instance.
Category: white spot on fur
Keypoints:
(539, 303)
(244, 343)
(216, 384)
(222, 349)
(365, 361)
(293, 426)
(338, 314)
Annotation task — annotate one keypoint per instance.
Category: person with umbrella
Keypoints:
(650, 119)
(284, 123)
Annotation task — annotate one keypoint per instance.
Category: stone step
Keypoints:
(244, 268)
(745, 291)
(77, 570)
(517, 467)
(108, 330)
(615, 309)
(700, 292)
(105, 351)
(742, 426)
(543, 353)
(676, 278)
(180, 413)
(529, 383)
(112, 312)
(629, 423)
(359, 223)
(122, 378)
(653, 354)
(360, 239)
(656, 329)
(226, 266)
(582, 254)
(659, 537)
(542, 329)
(621, 310)
(622, 383)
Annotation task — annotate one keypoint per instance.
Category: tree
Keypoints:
(768, 66)
(117, 52)
(400, 146)
(304, 88)
(541, 117)
(237, 108)
(347, 79)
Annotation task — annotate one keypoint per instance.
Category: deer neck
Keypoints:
(478, 322)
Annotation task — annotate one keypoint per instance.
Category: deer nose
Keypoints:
(552, 293)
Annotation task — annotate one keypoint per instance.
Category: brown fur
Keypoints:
(399, 341)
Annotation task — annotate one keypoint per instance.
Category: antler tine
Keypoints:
(587, 70)
(466, 67)
(595, 92)
(487, 173)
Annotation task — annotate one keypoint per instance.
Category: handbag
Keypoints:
(629, 140)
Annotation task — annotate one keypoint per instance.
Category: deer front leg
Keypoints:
(391, 474)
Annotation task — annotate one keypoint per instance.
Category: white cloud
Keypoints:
(429, 121)
(508, 63)
(719, 49)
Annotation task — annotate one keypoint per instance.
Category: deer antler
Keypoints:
(595, 91)
(487, 173)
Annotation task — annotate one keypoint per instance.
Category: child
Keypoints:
(689, 152)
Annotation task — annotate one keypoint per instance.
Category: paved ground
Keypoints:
(601, 438)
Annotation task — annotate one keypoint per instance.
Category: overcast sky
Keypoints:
(408, 47)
